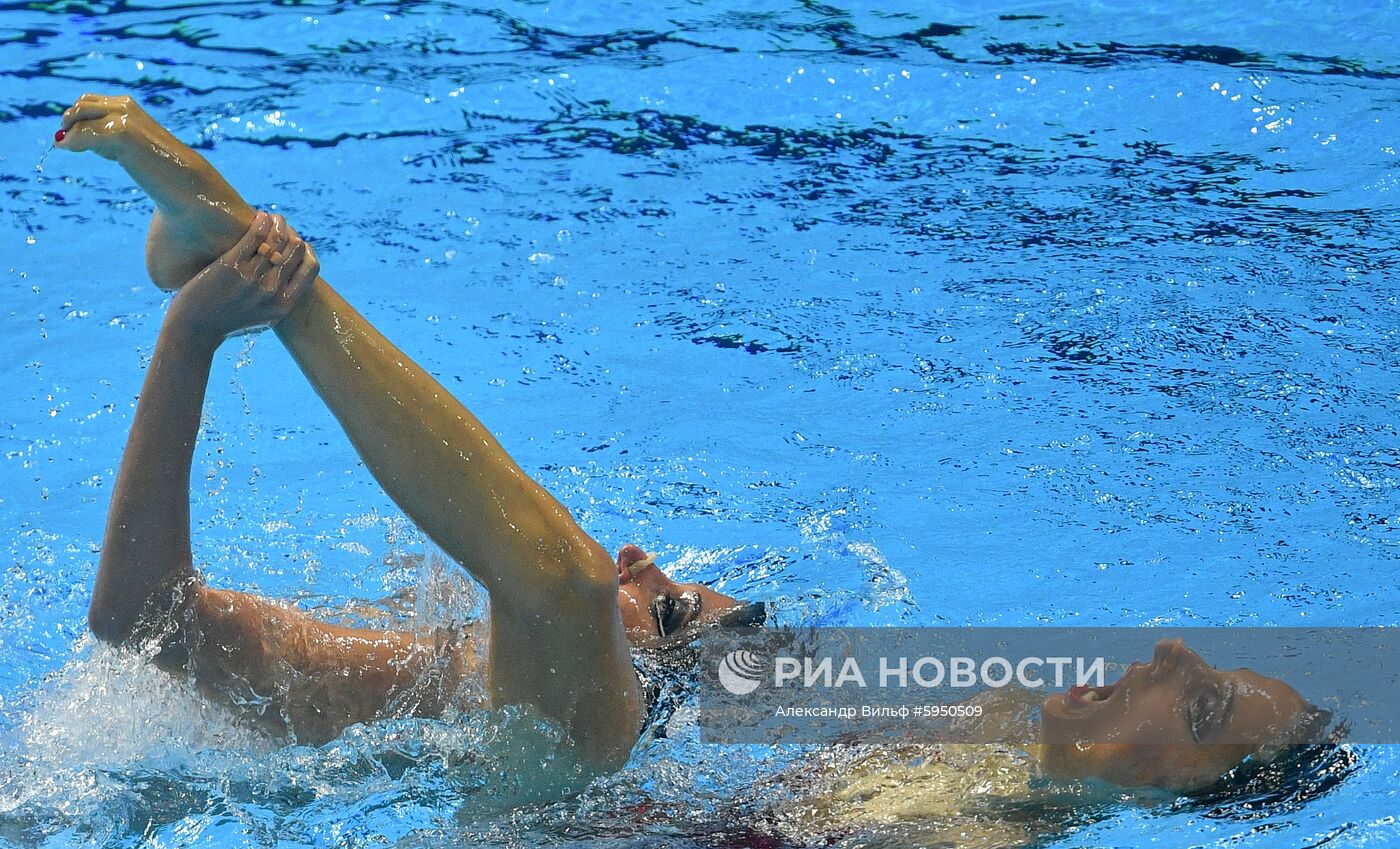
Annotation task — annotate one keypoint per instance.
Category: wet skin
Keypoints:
(1175, 723)
(199, 215)
(1162, 725)
(652, 605)
(559, 626)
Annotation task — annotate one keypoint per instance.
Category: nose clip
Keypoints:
(631, 562)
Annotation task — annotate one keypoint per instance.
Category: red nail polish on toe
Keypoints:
(59, 136)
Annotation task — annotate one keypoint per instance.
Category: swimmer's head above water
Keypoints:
(1176, 723)
(654, 607)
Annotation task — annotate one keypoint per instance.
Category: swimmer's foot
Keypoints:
(198, 214)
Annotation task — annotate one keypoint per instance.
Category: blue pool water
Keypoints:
(899, 313)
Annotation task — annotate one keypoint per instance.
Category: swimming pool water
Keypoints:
(896, 313)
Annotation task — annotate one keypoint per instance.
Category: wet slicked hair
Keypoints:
(1304, 763)
(667, 665)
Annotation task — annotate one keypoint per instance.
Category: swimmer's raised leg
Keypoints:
(556, 634)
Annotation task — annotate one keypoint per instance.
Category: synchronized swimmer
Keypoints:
(564, 615)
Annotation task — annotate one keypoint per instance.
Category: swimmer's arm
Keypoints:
(308, 676)
(146, 546)
(318, 677)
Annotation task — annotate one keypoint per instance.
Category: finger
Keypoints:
(239, 254)
(262, 261)
(253, 267)
(280, 234)
(290, 264)
(304, 276)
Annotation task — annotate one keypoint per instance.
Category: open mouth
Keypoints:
(1080, 694)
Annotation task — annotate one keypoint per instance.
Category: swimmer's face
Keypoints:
(1175, 723)
(652, 605)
